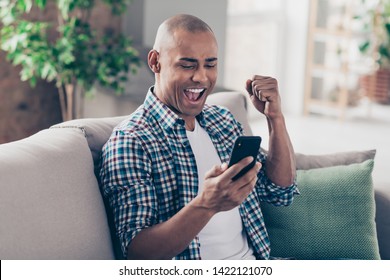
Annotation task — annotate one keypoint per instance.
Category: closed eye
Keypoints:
(187, 66)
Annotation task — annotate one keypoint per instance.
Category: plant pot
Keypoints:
(377, 86)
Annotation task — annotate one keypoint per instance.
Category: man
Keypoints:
(164, 169)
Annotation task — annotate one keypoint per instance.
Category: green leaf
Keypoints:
(66, 58)
(48, 72)
(12, 43)
(28, 5)
(79, 52)
(384, 51)
(123, 79)
(33, 81)
(85, 4)
(64, 7)
(365, 46)
(41, 4)
(117, 6)
(26, 73)
(7, 14)
(387, 26)
(18, 58)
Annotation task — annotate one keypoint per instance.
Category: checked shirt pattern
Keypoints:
(149, 173)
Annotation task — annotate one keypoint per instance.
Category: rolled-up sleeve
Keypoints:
(270, 192)
(127, 186)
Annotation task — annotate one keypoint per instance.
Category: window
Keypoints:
(254, 40)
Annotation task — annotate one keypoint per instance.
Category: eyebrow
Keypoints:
(193, 60)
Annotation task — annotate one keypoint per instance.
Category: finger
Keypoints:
(224, 166)
(270, 96)
(243, 192)
(256, 90)
(250, 176)
(259, 77)
(248, 86)
(215, 171)
(263, 94)
(258, 93)
(236, 168)
(267, 81)
(262, 78)
(262, 91)
(269, 85)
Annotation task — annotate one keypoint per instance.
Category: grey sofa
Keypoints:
(50, 202)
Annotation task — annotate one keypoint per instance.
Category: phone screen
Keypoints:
(245, 146)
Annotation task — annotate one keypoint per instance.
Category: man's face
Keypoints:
(188, 72)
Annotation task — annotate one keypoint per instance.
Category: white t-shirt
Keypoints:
(224, 236)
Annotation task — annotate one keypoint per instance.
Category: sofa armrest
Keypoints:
(50, 203)
(382, 219)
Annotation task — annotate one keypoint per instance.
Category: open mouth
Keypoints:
(194, 94)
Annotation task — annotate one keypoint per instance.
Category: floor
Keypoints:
(365, 127)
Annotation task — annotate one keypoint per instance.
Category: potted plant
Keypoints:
(69, 51)
(376, 22)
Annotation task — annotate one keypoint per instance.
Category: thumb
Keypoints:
(223, 167)
(216, 170)
(248, 86)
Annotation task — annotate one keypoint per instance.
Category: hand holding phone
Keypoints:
(245, 146)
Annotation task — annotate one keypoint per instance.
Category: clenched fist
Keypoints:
(264, 94)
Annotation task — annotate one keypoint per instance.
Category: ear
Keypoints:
(153, 62)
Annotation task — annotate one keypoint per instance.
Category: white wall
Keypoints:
(293, 87)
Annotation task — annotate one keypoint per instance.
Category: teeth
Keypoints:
(195, 90)
(193, 93)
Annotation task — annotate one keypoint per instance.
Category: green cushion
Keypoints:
(332, 218)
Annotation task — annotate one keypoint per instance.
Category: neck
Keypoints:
(189, 120)
(190, 123)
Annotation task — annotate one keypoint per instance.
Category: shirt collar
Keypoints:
(161, 112)
(164, 115)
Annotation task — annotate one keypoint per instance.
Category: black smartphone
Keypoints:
(245, 146)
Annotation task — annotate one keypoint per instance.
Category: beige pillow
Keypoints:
(305, 162)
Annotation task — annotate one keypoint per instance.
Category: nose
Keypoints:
(200, 75)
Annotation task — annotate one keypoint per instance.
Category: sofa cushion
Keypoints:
(96, 131)
(333, 217)
(50, 203)
(382, 191)
(305, 162)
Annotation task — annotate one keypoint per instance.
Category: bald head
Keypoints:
(187, 23)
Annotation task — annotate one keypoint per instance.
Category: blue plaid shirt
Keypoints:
(149, 173)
